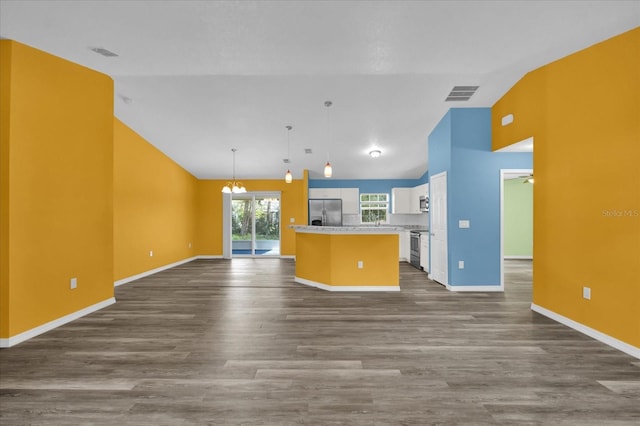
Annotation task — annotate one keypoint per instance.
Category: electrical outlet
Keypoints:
(292, 220)
(73, 283)
(360, 264)
(586, 293)
(150, 253)
(460, 264)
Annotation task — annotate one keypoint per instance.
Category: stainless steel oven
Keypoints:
(414, 253)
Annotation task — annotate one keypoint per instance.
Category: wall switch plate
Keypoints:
(460, 264)
(360, 264)
(150, 253)
(586, 293)
(189, 245)
(73, 283)
(464, 224)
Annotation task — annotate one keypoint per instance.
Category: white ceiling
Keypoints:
(207, 76)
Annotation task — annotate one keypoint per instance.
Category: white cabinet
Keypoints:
(350, 200)
(350, 197)
(324, 192)
(400, 200)
(424, 251)
(417, 192)
(405, 246)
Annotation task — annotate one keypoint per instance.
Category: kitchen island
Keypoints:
(348, 258)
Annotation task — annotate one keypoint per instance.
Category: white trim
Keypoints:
(26, 335)
(485, 288)
(346, 287)
(604, 338)
(207, 256)
(161, 268)
(519, 257)
(288, 256)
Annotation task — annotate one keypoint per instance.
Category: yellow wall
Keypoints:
(587, 188)
(155, 205)
(332, 259)
(293, 204)
(57, 188)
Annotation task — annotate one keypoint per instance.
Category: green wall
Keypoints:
(518, 218)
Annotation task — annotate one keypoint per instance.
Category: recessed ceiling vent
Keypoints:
(461, 93)
(308, 151)
(286, 160)
(104, 52)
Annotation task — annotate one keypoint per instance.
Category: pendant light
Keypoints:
(234, 186)
(288, 178)
(328, 170)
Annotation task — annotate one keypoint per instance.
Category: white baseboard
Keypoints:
(161, 268)
(288, 256)
(518, 257)
(26, 335)
(604, 338)
(484, 288)
(346, 287)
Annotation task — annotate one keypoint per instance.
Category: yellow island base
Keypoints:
(348, 258)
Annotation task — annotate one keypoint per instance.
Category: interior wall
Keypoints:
(584, 113)
(518, 219)
(293, 205)
(57, 188)
(155, 206)
(461, 146)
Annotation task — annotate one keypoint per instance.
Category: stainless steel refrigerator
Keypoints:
(325, 212)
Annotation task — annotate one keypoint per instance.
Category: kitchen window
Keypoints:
(374, 208)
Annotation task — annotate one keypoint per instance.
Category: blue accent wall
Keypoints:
(461, 145)
(366, 185)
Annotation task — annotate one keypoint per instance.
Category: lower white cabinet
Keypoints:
(424, 251)
(405, 246)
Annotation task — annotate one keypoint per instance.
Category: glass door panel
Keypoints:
(255, 225)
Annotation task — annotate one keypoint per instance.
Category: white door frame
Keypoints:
(504, 173)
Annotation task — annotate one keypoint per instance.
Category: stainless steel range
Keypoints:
(414, 253)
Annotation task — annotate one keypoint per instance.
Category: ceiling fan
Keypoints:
(525, 178)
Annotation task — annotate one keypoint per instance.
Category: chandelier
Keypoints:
(234, 186)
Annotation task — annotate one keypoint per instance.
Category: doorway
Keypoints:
(516, 217)
(255, 224)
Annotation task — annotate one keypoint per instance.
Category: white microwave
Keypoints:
(424, 204)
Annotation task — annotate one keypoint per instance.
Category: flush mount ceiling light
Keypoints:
(375, 153)
(328, 170)
(234, 186)
(288, 178)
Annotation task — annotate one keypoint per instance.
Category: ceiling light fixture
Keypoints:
(328, 170)
(375, 153)
(288, 178)
(234, 186)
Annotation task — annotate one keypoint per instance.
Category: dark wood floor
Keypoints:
(238, 342)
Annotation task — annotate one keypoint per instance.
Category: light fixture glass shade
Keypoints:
(288, 178)
(226, 189)
(375, 153)
(328, 171)
(234, 186)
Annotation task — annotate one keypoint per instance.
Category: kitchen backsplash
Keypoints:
(394, 219)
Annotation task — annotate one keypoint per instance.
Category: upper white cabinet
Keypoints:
(324, 192)
(350, 197)
(407, 200)
(401, 200)
(350, 200)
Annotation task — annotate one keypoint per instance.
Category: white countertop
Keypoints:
(362, 229)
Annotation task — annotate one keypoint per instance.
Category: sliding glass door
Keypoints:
(255, 224)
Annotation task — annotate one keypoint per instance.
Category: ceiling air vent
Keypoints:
(307, 151)
(461, 93)
(286, 160)
(104, 52)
